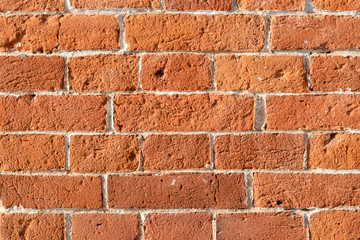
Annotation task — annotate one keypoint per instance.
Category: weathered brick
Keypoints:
(179, 226)
(334, 73)
(43, 112)
(18, 226)
(335, 225)
(223, 5)
(313, 112)
(261, 73)
(195, 112)
(88, 32)
(31, 152)
(271, 4)
(169, 152)
(29, 33)
(269, 225)
(336, 5)
(31, 5)
(31, 73)
(50, 191)
(115, 4)
(259, 151)
(183, 190)
(334, 150)
(103, 153)
(175, 72)
(103, 73)
(314, 32)
(194, 32)
(105, 226)
(301, 190)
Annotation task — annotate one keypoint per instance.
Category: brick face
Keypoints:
(336, 5)
(271, 4)
(198, 5)
(115, 4)
(32, 5)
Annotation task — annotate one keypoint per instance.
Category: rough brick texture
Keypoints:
(103, 73)
(115, 4)
(336, 5)
(260, 226)
(175, 72)
(261, 74)
(195, 112)
(194, 32)
(32, 226)
(271, 4)
(105, 226)
(178, 226)
(31, 152)
(198, 4)
(31, 5)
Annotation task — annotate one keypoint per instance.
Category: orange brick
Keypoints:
(32, 226)
(183, 190)
(259, 151)
(31, 152)
(31, 73)
(271, 4)
(29, 33)
(314, 32)
(223, 5)
(68, 113)
(103, 73)
(195, 112)
(260, 226)
(301, 190)
(336, 5)
(115, 4)
(334, 151)
(313, 112)
(334, 73)
(178, 226)
(103, 153)
(31, 5)
(169, 152)
(157, 32)
(175, 72)
(50, 191)
(261, 73)
(104, 226)
(88, 32)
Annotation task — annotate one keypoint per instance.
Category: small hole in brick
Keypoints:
(159, 73)
(279, 202)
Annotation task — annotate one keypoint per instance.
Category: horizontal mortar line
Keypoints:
(180, 171)
(310, 210)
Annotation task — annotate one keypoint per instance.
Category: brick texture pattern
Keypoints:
(179, 119)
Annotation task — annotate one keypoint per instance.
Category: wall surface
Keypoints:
(179, 119)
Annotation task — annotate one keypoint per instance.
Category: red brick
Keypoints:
(88, 32)
(169, 152)
(336, 5)
(105, 226)
(261, 73)
(29, 33)
(334, 73)
(103, 73)
(31, 73)
(32, 226)
(223, 5)
(334, 151)
(68, 113)
(301, 190)
(259, 151)
(195, 112)
(269, 225)
(103, 153)
(31, 5)
(183, 190)
(50, 191)
(175, 72)
(179, 226)
(31, 152)
(271, 4)
(340, 225)
(115, 4)
(313, 112)
(314, 32)
(194, 32)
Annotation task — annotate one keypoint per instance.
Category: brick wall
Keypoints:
(179, 119)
